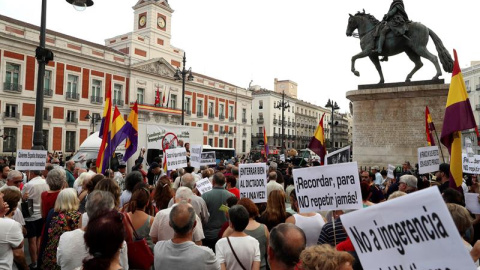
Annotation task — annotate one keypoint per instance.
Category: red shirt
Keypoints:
(48, 201)
(345, 245)
(235, 191)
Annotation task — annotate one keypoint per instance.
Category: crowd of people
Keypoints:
(75, 218)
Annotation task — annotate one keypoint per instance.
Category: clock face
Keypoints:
(142, 21)
(161, 22)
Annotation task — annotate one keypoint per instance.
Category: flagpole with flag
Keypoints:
(429, 128)
(458, 116)
(317, 143)
(104, 128)
(265, 144)
(117, 135)
(131, 132)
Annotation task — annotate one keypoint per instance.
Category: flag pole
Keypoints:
(439, 146)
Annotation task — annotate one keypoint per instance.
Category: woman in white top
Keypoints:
(239, 250)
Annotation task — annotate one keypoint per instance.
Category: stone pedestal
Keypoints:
(389, 120)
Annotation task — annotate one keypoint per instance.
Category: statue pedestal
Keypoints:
(389, 120)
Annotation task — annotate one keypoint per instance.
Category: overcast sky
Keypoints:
(303, 40)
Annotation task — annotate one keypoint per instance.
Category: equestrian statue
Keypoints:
(393, 35)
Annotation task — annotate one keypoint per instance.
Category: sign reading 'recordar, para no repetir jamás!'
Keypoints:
(332, 187)
(253, 181)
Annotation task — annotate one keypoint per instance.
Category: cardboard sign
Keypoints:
(176, 158)
(333, 187)
(428, 159)
(195, 155)
(471, 202)
(31, 160)
(339, 156)
(282, 157)
(471, 164)
(399, 233)
(208, 158)
(204, 185)
(252, 181)
(390, 170)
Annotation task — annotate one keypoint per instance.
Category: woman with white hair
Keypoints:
(78, 184)
(63, 218)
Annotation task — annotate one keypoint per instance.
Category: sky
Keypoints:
(259, 40)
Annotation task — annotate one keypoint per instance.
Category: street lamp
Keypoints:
(282, 105)
(44, 56)
(180, 75)
(333, 105)
(94, 118)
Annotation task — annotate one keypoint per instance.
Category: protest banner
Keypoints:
(428, 159)
(208, 158)
(471, 202)
(339, 156)
(204, 185)
(332, 187)
(471, 164)
(253, 181)
(396, 234)
(195, 155)
(31, 160)
(390, 170)
(156, 133)
(176, 158)
(282, 157)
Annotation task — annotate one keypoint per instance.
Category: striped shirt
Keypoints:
(327, 235)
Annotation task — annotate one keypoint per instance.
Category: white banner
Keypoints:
(155, 134)
(339, 156)
(471, 164)
(208, 158)
(333, 187)
(195, 155)
(204, 185)
(471, 203)
(253, 181)
(390, 170)
(400, 233)
(176, 158)
(31, 160)
(282, 157)
(428, 159)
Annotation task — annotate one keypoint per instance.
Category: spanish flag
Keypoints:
(265, 145)
(104, 128)
(429, 127)
(317, 143)
(458, 117)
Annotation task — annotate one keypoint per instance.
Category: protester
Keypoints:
(137, 209)
(286, 243)
(109, 185)
(332, 232)
(377, 176)
(442, 176)
(231, 186)
(463, 221)
(4, 170)
(131, 180)
(56, 180)
(376, 194)
(326, 258)
(63, 218)
(89, 188)
(69, 169)
(180, 252)
(272, 183)
(81, 179)
(119, 176)
(311, 223)
(366, 194)
(11, 236)
(407, 183)
(163, 193)
(239, 250)
(275, 213)
(154, 173)
(396, 194)
(214, 199)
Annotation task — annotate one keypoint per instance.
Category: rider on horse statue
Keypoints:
(396, 20)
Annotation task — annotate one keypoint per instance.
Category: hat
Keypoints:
(409, 180)
(154, 165)
(375, 168)
(122, 164)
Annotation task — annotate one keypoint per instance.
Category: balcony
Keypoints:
(11, 115)
(188, 112)
(72, 96)
(477, 87)
(47, 118)
(222, 132)
(210, 132)
(221, 117)
(200, 114)
(71, 120)
(97, 100)
(231, 118)
(302, 125)
(230, 132)
(289, 124)
(244, 120)
(118, 102)
(47, 92)
(276, 135)
(260, 121)
(12, 87)
(211, 115)
(298, 124)
(244, 134)
(275, 121)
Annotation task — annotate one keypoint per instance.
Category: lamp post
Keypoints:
(282, 105)
(94, 118)
(333, 105)
(44, 56)
(180, 75)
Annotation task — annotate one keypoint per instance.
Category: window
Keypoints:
(260, 115)
(220, 142)
(244, 146)
(210, 110)
(260, 130)
(117, 94)
(199, 106)
(222, 110)
(12, 75)
(210, 141)
(230, 143)
(173, 103)
(244, 132)
(187, 104)
(244, 113)
(71, 117)
(230, 112)
(221, 130)
(10, 141)
(96, 91)
(260, 104)
(11, 110)
(47, 83)
(274, 129)
(45, 138)
(70, 141)
(72, 84)
(140, 95)
(210, 129)
(46, 114)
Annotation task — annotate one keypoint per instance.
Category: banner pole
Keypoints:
(440, 146)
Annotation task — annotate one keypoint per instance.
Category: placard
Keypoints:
(195, 155)
(332, 187)
(155, 134)
(282, 157)
(428, 159)
(471, 202)
(471, 164)
(204, 185)
(31, 160)
(402, 233)
(390, 170)
(339, 156)
(252, 181)
(176, 158)
(208, 158)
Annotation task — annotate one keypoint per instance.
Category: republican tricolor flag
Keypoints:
(131, 132)
(458, 117)
(317, 143)
(104, 129)
(429, 128)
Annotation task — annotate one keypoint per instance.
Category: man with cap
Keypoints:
(407, 183)
(443, 176)
(119, 176)
(378, 176)
(154, 173)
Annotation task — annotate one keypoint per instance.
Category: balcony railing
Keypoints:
(12, 87)
(188, 112)
(276, 135)
(221, 117)
(72, 96)
(260, 135)
(11, 115)
(210, 131)
(72, 120)
(244, 120)
(211, 115)
(199, 114)
(244, 134)
(231, 118)
(97, 100)
(230, 132)
(477, 87)
(260, 121)
(47, 118)
(118, 102)
(275, 121)
(47, 92)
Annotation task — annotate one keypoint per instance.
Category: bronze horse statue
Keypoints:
(413, 43)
